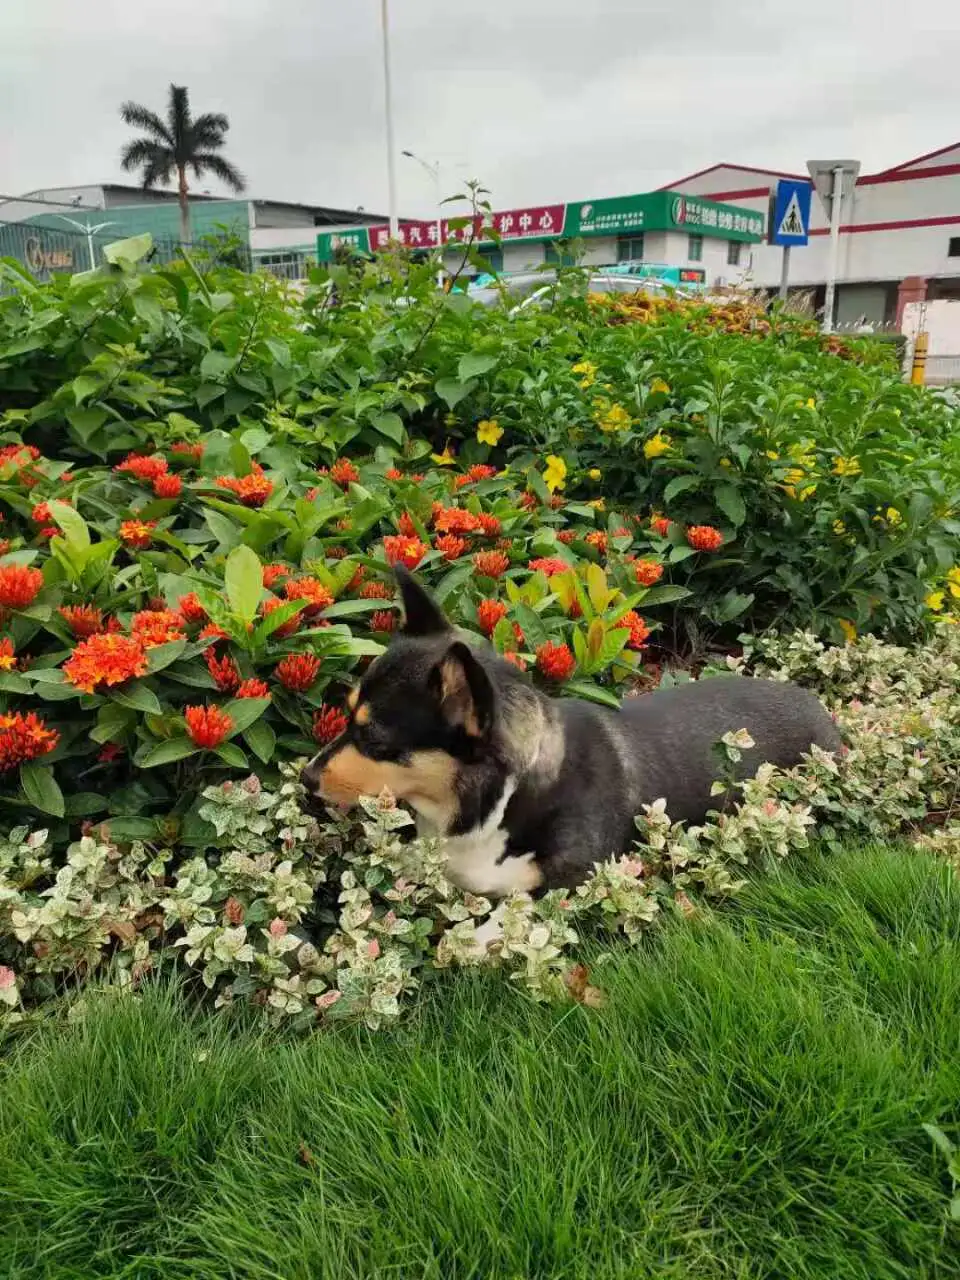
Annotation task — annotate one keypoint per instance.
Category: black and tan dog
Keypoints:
(530, 791)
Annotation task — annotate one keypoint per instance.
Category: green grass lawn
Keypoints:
(749, 1103)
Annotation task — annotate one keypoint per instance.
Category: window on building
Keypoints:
(630, 248)
(695, 248)
(553, 258)
(733, 253)
(494, 258)
(953, 248)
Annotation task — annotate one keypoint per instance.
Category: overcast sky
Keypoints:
(543, 100)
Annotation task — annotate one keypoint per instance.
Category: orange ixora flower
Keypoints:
(599, 540)
(23, 738)
(271, 572)
(252, 689)
(555, 661)
(376, 591)
(406, 551)
(285, 628)
(298, 671)
(703, 537)
(168, 486)
(8, 658)
(455, 520)
(184, 449)
(253, 490)
(105, 660)
(82, 619)
(191, 609)
(393, 473)
(312, 591)
(660, 525)
(490, 525)
(406, 526)
(639, 631)
(207, 726)
(489, 613)
(647, 572)
(451, 546)
(515, 659)
(492, 564)
(383, 620)
(19, 585)
(224, 670)
(147, 469)
(549, 565)
(328, 723)
(156, 626)
(215, 632)
(137, 533)
(344, 473)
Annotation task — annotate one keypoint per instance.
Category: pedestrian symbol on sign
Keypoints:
(792, 222)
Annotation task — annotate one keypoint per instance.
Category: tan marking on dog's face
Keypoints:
(353, 697)
(362, 714)
(427, 781)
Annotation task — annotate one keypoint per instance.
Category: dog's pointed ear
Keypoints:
(464, 691)
(422, 615)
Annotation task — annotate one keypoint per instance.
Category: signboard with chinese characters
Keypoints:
(354, 238)
(620, 216)
(707, 218)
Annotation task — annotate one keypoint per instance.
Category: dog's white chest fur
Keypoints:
(474, 858)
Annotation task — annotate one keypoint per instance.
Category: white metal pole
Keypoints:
(90, 253)
(834, 264)
(388, 95)
(784, 272)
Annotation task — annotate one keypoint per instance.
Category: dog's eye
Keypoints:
(371, 741)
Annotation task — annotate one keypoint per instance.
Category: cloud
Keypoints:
(542, 100)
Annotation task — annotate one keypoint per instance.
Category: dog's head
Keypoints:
(424, 710)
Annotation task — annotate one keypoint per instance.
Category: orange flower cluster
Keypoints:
(492, 564)
(271, 572)
(207, 726)
(479, 471)
(8, 659)
(253, 490)
(548, 565)
(191, 609)
(639, 631)
(186, 450)
(252, 689)
(146, 469)
(298, 671)
(23, 738)
(311, 590)
(105, 660)
(156, 626)
(647, 572)
(599, 540)
(137, 533)
(451, 546)
(490, 525)
(376, 591)
(660, 525)
(19, 585)
(82, 619)
(383, 620)
(555, 661)
(455, 520)
(489, 613)
(328, 724)
(344, 473)
(287, 628)
(703, 537)
(168, 486)
(406, 551)
(224, 670)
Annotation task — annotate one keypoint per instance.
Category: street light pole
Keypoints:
(88, 231)
(836, 203)
(434, 172)
(388, 97)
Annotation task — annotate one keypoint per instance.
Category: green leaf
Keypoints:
(665, 595)
(40, 788)
(138, 697)
(472, 365)
(730, 502)
(592, 693)
(679, 484)
(161, 655)
(231, 754)
(389, 425)
(451, 391)
(166, 752)
(244, 711)
(129, 251)
(133, 828)
(84, 387)
(243, 577)
(261, 740)
(283, 613)
(215, 365)
(72, 523)
(83, 803)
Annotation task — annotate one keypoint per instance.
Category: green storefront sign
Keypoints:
(661, 211)
(356, 239)
(617, 217)
(707, 218)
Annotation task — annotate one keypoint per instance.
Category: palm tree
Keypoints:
(177, 144)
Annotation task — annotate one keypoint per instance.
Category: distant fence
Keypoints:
(45, 250)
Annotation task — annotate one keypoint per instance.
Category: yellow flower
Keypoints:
(934, 601)
(811, 403)
(489, 431)
(658, 384)
(598, 504)
(894, 518)
(588, 373)
(725, 462)
(657, 445)
(848, 629)
(613, 418)
(774, 457)
(555, 473)
(445, 459)
(839, 528)
(846, 467)
(595, 473)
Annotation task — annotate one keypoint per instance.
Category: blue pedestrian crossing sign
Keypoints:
(790, 218)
